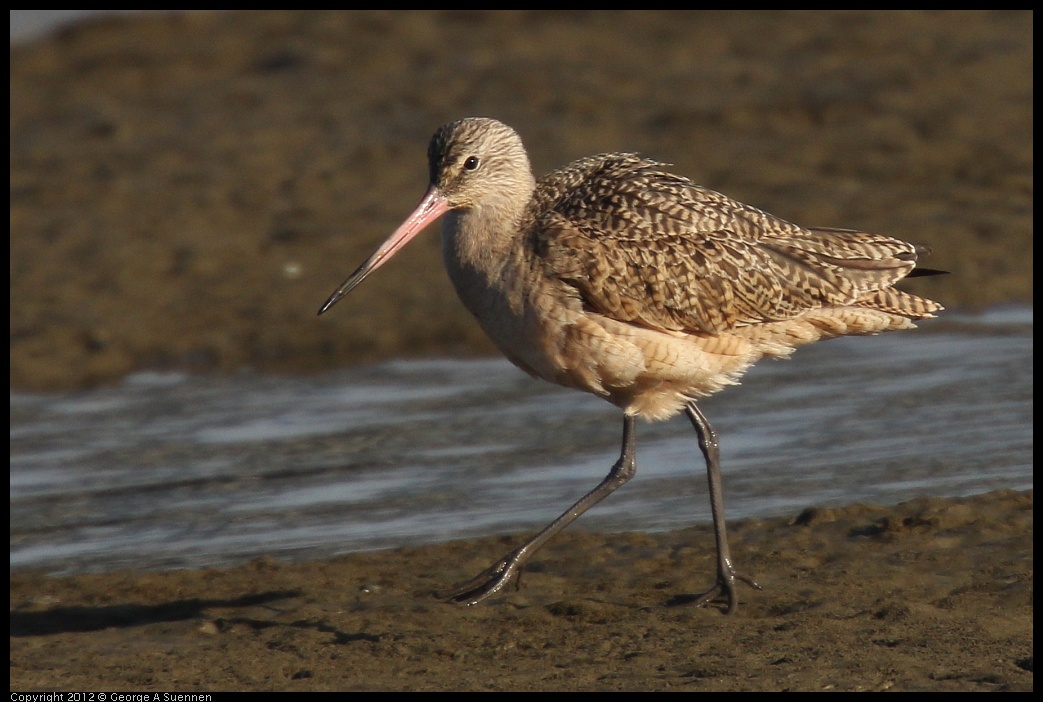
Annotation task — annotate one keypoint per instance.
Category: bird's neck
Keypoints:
(482, 238)
(484, 255)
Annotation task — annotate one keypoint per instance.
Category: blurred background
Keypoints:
(188, 187)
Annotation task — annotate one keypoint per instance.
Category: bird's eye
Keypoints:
(471, 163)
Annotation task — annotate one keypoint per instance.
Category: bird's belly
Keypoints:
(646, 372)
(649, 373)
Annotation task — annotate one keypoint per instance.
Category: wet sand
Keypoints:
(186, 190)
(930, 595)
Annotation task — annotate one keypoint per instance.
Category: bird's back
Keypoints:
(645, 246)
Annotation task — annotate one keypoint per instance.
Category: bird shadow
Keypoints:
(682, 600)
(60, 620)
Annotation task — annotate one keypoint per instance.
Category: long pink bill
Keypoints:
(430, 208)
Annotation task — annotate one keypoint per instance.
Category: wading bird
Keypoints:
(614, 276)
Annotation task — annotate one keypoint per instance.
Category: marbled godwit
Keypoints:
(614, 276)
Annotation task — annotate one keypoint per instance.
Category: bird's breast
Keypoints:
(504, 291)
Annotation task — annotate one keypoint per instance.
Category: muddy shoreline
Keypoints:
(933, 594)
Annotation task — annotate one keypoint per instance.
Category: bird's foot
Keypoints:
(490, 581)
(726, 581)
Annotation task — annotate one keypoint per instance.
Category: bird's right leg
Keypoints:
(497, 576)
(726, 575)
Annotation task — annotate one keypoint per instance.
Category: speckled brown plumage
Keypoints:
(617, 277)
(643, 245)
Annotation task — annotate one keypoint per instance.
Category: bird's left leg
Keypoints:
(494, 578)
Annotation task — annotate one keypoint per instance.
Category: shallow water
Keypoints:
(169, 470)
